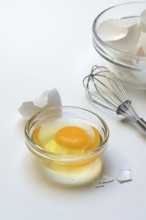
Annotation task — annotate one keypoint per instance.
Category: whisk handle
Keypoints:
(142, 123)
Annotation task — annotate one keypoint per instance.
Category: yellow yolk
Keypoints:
(72, 137)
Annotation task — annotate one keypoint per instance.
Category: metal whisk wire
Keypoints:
(103, 88)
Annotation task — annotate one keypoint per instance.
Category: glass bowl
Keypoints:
(129, 67)
(73, 168)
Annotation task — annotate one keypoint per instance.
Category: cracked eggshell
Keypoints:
(106, 179)
(49, 98)
(124, 175)
(143, 20)
(121, 34)
(140, 76)
(143, 41)
(111, 30)
(140, 52)
(143, 30)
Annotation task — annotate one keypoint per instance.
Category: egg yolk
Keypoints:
(72, 137)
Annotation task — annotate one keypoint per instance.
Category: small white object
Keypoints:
(49, 98)
(106, 179)
(121, 34)
(124, 175)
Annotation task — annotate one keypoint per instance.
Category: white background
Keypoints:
(46, 44)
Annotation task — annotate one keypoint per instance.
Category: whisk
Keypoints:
(103, 88)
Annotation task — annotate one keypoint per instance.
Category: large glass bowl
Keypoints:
(129, 68)
(72, 168)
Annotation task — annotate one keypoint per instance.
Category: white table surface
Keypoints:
(46, 44)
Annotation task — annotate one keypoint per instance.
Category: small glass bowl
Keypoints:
(129, 68)
(68, 168)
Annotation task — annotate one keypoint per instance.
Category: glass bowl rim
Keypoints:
(66, 157)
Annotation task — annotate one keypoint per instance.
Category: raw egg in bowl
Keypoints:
(69, 142)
